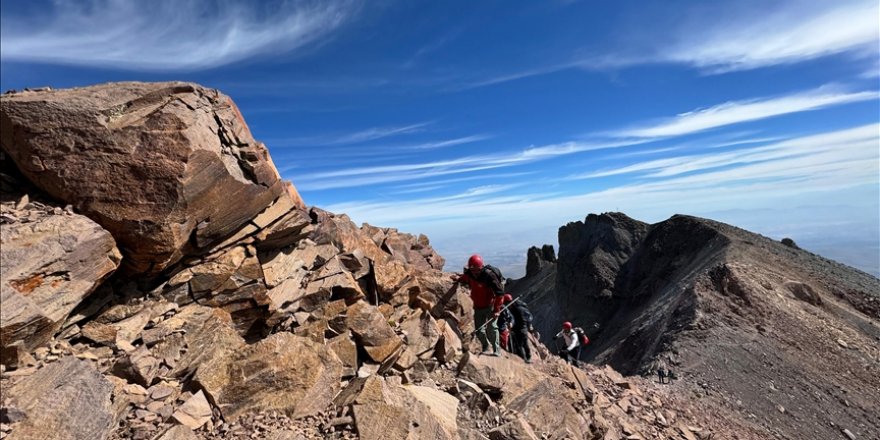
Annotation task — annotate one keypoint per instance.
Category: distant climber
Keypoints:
(522, 326)
(487, 289)
(574, 339)
(505, 323)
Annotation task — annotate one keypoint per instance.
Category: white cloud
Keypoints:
(827, 162)
(744, 111)
(167, 35)
(357, 137)
(789, 32)
(687, 123)
(858, 140)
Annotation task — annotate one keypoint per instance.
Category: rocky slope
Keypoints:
(772, 333)
(160, 281)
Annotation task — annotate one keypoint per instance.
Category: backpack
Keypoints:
(496, 280)
(582, 336)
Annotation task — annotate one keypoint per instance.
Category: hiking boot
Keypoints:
(487, 353)
(494, 354)
(528, 361)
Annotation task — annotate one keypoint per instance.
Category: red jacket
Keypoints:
(481, 293)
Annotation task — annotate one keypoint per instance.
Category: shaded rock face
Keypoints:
(592, 252)
(153, 163)
(538, 259)
(699, 297)
(50, 263)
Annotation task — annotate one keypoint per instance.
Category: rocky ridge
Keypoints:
(260, 318)
(780, 337)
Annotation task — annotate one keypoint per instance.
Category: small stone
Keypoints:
(849, 434)
(135, 389)
(195, 412)
(842, 343)
(780, 408)
(160, 392)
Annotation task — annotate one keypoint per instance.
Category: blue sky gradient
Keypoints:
(487, 125)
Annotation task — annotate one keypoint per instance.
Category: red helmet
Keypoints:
(475, 262)
(508, 297)
(566, 325)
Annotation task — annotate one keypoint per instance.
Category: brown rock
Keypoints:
(292, 227)
(372, 331)
(68, 399)
(449, 343)
(422, 333)
(385, 410)
(177, 432)
(208, 333)
(283, 372)
(139, 366)
(518, 429)
(507, 376)
(546, 408)
(49, 266)
(195, 412)
(346, 350)
(171, 155)
(101, 333)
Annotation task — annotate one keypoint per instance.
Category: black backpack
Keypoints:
(496, 280)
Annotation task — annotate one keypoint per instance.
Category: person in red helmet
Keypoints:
(574, 338)
(487, 290)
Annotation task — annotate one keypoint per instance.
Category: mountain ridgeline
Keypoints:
(733, 313)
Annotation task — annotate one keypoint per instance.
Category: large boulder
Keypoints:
(67, 400)
(50, 263)
(156, 164)
(284, 372)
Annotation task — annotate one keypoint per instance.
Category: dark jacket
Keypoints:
(522, 318)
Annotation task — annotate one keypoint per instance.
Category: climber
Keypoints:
(522, 326)
(487, 290)
(505, 323)
(574, 338)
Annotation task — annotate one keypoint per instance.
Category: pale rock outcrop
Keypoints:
(50, 263)
(156, 164)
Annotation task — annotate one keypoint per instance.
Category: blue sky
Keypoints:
(488, 125)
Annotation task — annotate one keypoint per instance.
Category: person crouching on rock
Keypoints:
(487, 290)
(571, 336)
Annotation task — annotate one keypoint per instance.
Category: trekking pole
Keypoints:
(499, 312)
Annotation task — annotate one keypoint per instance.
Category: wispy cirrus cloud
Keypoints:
(733, 39)
(824, 149)
(736, 112)
(783, 33)
(357, 137)
(163, 35)
(830, 162)
(688, 123)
